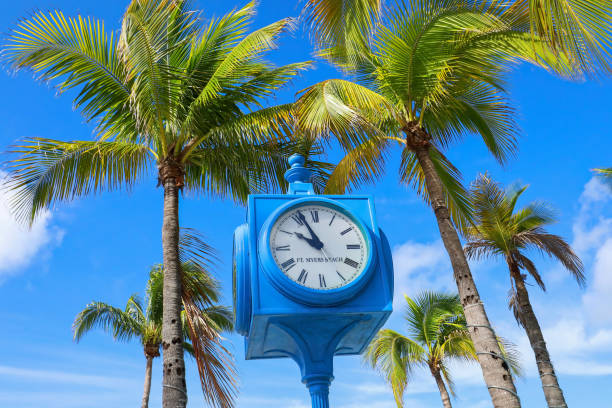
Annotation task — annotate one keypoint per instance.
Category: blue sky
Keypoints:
(101, 248)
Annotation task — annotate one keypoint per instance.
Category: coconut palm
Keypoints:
(435, 73)
(437, 336)
(144, 322)
(169, 95)
(580, 28)
(506, 232)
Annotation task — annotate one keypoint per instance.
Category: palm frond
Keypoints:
(361, 165)
(581, 28)
(119, 323)
(76, 52)
(395, 357)
(215, 362)
(344, 27)
(48, 171)
(194, 250)
(605, 175)
(555, 247)
(349, 112)
(512, 355)
(227, 72)
(457, 197)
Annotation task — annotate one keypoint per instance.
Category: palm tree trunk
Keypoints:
(147, 383)
(550, 385)
(174, 393)
(495, 371)
(446, 402)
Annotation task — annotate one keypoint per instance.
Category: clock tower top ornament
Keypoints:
(313, 278)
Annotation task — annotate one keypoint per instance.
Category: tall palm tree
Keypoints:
(580, 28)
(501, 230)
(145, 323)
(437, 335)
(169, 95)
(434, 74)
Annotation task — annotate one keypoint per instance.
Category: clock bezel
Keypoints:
(303, 294)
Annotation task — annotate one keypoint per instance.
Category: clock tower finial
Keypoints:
(298, 176)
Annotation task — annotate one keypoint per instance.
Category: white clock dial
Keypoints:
(318, 247)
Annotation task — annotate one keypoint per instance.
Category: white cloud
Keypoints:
(18, 244)
(418, 266)
(598, 299)
(590, 227)
(65, 377)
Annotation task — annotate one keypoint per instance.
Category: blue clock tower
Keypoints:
(313, 278)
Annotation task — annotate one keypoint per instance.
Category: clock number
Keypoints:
(350, 262)
(297, 219)
(346, 231)
(303, 276)
(332, 220)
(288, 264)
(353, 246)
(315, 215)
(340, 275)
(322, 281)
(283, 248)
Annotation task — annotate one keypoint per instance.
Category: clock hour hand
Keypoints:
(314, 237)
(310, 241)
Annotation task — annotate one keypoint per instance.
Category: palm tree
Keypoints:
(580, 28)
(145, 323)
(169, 95)
(501, 230)
(437, 335)
(435, 73)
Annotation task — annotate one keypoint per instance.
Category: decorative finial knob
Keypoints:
(296, 160)
(298, 176)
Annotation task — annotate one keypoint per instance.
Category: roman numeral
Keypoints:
(340, 275)
(346, 231)
(353, 246)
(283, 248)
(350, 262)
(332, 220)
(288, 264)
(315, 215)
(297, 219)
(322, 281)
(303, 276)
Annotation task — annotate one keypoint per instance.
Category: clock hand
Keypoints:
(314, 237)
(310, 241)
(325, 253)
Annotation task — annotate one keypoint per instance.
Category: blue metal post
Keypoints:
(318, 385)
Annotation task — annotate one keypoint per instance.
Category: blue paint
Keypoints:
(280, 318)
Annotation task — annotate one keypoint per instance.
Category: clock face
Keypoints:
(318, 247)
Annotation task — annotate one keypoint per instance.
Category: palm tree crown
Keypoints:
(434, 72)
(579, 28)
(437, 335)
(204, 321)
(505, 231)
(167, 91)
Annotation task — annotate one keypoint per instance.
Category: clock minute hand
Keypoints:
(314, 237)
